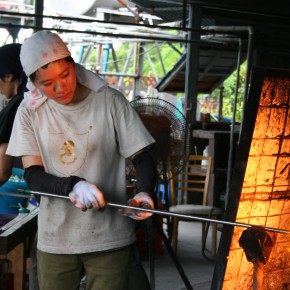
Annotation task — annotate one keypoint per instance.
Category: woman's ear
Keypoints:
(8, 78)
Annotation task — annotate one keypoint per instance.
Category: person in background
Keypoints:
(74, 133)
(12, 87)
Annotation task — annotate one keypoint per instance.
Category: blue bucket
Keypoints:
(9, 204)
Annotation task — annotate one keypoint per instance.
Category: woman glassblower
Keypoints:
(67, 104)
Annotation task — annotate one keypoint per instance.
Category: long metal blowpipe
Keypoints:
(161, 212)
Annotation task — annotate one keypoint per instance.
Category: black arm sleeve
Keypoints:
(146, 172)
(37, 179)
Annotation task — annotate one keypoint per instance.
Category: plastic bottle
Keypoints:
(23, 210)
(206, 121)
(205, 153)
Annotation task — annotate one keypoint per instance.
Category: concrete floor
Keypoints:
(196, 267)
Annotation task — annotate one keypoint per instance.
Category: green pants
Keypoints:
(104, 271)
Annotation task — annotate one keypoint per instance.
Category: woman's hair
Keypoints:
(10, 61)
(67, 59)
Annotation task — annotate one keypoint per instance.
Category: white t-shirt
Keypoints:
(90, 139)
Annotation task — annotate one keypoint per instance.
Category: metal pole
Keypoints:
(38, 20)
(192, 63)
(161, 212)
(232, 137)
(247, 77)
(220, 114)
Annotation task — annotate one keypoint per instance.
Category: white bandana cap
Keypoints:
(40, 49)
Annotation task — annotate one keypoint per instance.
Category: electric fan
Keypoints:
(168, 126)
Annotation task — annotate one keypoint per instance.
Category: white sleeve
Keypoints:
(132, 134)
(22, 141)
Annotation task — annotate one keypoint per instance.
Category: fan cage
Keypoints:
(168, 126)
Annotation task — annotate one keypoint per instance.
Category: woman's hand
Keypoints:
(86, 195)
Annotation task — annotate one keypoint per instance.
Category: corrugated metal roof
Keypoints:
(167, 10)
(270, 24)
(216, 62)
(214, 68)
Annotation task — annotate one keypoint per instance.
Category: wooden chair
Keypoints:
(189, 196)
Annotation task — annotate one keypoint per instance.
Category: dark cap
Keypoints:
(10, 59)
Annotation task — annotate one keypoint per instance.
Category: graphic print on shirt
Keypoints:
(68, 150)
(68, 157)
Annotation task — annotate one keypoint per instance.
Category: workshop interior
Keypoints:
(210, 81)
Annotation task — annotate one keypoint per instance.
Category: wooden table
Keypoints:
(16, 238)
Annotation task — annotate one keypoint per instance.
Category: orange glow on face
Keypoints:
(57, 81)
(265, 196)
